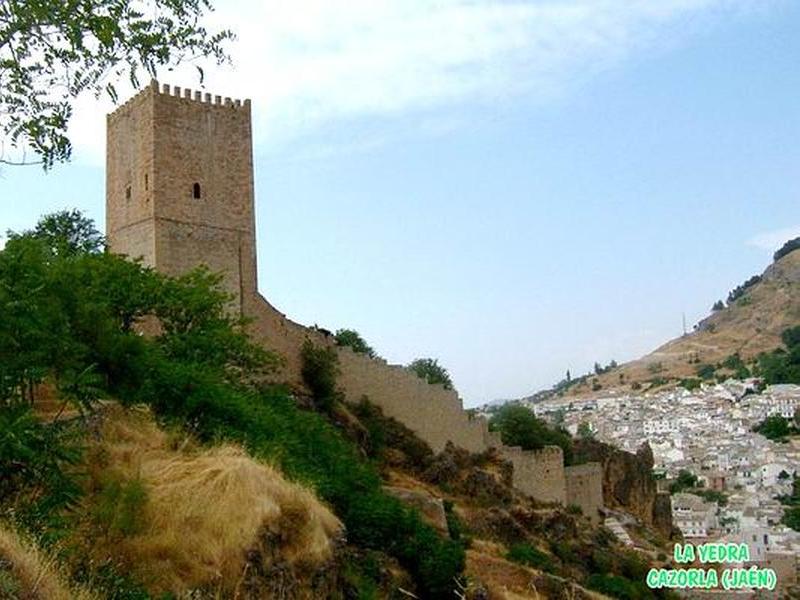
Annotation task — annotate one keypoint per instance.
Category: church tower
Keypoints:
(179, 185)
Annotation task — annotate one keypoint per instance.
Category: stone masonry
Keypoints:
(179, 194)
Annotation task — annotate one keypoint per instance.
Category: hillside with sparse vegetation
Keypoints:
(143, 456)
(729, 343)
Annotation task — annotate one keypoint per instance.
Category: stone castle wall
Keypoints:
(435, 414)
(585, 489)
(538, 473)
(164, 141)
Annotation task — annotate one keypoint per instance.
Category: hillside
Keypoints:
(747, 326)
(166, 466)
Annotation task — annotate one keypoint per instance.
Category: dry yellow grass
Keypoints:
(30, 574)
(205, 509)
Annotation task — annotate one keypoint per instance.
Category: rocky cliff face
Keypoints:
(628, 483)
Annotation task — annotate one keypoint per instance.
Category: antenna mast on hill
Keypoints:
(684, 323)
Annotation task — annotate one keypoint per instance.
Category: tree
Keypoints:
(774, 427)
(740, 290)
(519, 426)
(320, 371)
(718, 306)
(66, 233)
(787, 248)
(52, 51)
(353, 339)
(585, 431)
(685, 480)
(431, 371)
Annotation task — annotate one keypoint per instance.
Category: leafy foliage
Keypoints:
(353, 339)
(740, 290)
(431, 371)
(67, 314)
(66, 233)
(34, 455)
(585, 431)
(685, 480)
(616, 586)
(705, 371)
(51, 51)
(775, 427)
(691, 383)
(320, 370)
(787, 248)
(385, 432)
(783, 364)
(518, 426)
(530, 556)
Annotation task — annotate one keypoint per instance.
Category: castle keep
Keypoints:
(179, 193)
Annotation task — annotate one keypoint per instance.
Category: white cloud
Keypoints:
(308, 63)
(772, 240)
(2, 242)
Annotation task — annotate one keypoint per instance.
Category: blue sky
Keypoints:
(516, 188)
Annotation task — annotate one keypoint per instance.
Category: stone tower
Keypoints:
(179, 185)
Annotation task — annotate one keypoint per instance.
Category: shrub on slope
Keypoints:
(71, 318)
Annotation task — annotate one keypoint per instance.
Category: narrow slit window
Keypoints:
(196, 191)
(146, 182)
(128, 193)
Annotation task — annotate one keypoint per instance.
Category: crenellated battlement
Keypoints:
(177, 91)
(179, 192)
(180, 93)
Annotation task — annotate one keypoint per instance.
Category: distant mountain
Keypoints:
(750, 322)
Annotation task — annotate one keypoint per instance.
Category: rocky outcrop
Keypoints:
(485, 477)
(431, 508)
(628, 483)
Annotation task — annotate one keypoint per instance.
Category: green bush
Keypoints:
(782, 365)
(741, 290)
(69, 316)
(519, 426)
(526, 554)
(791, 518)
(35, 456)
(455, 526)
(619, 587)
(787, 248)
(705, 371)
(564, 551)
(685, 480)
(311, 450)
(691, 383)
(352, 339)
(320, 370)
(385, 432)
(431, 371)
(775, 427)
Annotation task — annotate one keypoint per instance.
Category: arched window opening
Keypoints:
(196, 191)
